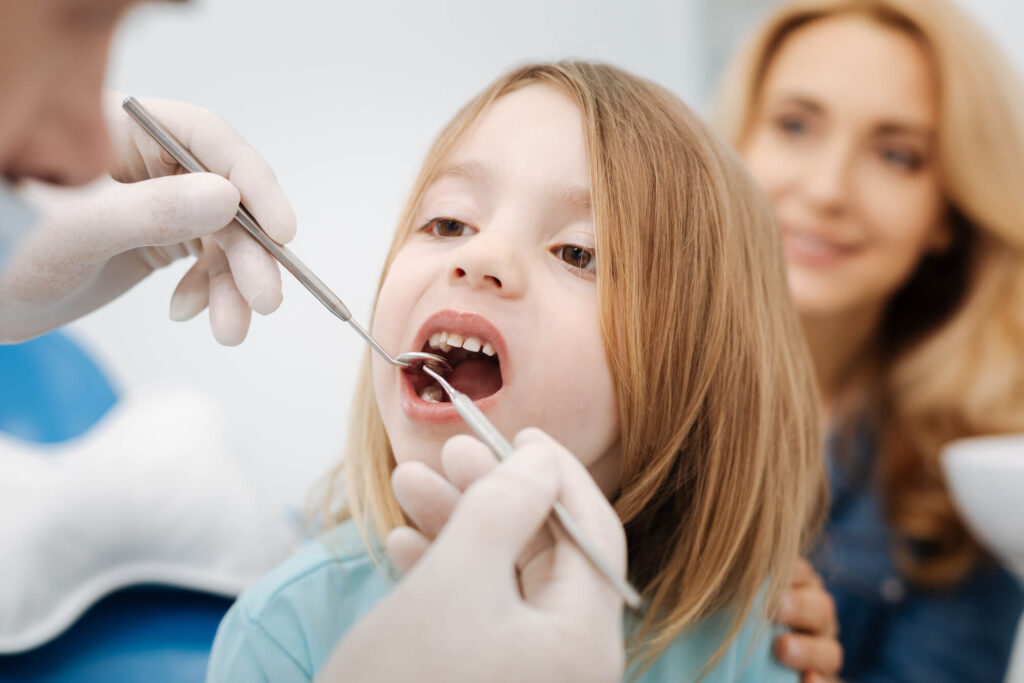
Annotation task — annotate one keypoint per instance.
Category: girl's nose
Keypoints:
(488, 262)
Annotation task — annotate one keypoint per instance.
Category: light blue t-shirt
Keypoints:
(283, 628)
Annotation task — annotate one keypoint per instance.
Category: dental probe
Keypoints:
(490, 435)
(280, 252)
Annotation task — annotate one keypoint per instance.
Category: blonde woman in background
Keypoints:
(889, 137)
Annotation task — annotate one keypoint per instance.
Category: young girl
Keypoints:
(592, 262)
(889, 136)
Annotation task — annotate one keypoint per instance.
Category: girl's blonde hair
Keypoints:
(948, 359)
(721, 473)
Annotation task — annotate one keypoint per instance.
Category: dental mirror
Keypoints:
(420, 360)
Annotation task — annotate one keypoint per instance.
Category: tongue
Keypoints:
(477, 378)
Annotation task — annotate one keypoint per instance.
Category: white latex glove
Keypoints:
(92, 244)
(495, 597)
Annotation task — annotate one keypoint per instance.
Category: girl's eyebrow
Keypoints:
(469, 170)
(575, 197)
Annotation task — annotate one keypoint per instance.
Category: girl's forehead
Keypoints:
(532, 135)
(528, 116)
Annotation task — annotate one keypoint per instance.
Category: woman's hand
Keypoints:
(812, 646)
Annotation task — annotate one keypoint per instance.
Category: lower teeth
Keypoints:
(432, 394)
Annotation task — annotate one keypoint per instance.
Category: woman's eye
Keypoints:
(903, 159)
(448, 227)
(792, 125)
(575, 256)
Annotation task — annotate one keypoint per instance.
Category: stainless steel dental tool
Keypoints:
(283, 255)
(490, 435)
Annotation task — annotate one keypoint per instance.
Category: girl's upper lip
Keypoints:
(467, 324)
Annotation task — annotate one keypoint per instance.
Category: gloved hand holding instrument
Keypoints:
(92, 244)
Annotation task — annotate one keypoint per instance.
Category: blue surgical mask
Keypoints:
(16, 217)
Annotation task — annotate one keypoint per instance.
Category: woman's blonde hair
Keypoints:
(721, 474)
(948, 360)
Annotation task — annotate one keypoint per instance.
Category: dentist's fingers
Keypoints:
(588, 506)
(261, 194)
(229, 312)
(253, 269)
(218, 146)
(226, 153)
(501, 512)
(192, 294)
(465, 459)
(405, 547)
(425, 496)
(161, 211)
(580, 494)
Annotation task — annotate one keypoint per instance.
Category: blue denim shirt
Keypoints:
(891, 630)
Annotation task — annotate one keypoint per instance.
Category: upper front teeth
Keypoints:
(448, 340)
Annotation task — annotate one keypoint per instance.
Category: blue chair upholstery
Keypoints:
(149, 633)
(51, 391)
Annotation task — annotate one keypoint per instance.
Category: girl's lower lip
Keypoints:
(418, 410)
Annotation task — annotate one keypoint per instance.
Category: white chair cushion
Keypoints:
(151, 494)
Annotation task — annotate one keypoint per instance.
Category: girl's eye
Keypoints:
(575, 256)
(447, 227)
(902, 159)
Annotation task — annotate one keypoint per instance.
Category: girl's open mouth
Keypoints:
(476, 370)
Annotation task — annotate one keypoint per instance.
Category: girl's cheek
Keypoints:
(385, 312)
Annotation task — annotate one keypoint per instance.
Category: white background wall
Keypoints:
(343, 99)
(1004, 20)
